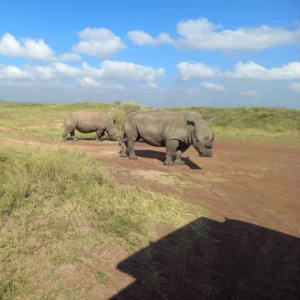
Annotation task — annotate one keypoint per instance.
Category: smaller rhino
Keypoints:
(87, 122)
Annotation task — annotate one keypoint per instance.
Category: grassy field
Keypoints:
(275, 125)
(61, 210)
(52, 207)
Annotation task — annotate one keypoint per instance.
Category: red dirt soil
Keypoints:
(255, 254)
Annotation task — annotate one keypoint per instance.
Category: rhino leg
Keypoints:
(178, 154)
(171, 146)
(99, 134)
(123, 152)
(64, 136)
(131, 144)
(73, 136)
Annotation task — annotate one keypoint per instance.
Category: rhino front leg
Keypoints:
(99, 134)
(178, 154)
(123, 152)
(171, 146)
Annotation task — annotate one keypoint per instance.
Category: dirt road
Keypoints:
(256, 184)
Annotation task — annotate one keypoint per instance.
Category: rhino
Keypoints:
(177, 131)
(87, 122)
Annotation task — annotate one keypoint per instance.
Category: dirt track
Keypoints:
(250, 182)
(253, 183)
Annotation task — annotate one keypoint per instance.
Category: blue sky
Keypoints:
(210, 53)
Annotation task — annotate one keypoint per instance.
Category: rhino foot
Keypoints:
(179, 162)
(132, 157)
(123, 154)
(169, 163)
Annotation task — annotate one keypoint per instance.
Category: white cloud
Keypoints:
(31, 49)
(13, 73)
(189, 71)
(99, 42)
(41, 72)
(140, 37)
(69, 57)
(213, 86)
(87, 77)
(200, 34)
(150, 86)
(249, 70)
(67, 70)
(250, 93)
(294, 86)
(89, 82)
(28, 73)
(125, 71)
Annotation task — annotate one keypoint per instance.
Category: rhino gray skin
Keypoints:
(87, 122)
(175, 130)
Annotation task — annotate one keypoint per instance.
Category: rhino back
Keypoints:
(155, 127)
(89, 121)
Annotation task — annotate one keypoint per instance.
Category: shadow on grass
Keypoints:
(162, 156)
(212, 260)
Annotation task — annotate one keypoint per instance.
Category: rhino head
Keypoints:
(111, 131)
(200, 136)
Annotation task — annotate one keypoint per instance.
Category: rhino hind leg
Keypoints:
(73, 136)
(178, 154)
(99, 134)
(171, 146)
(131, 144)
(64, 136)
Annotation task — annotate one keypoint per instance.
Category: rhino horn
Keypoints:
(212, 138)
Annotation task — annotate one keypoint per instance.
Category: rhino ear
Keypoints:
(190, 121)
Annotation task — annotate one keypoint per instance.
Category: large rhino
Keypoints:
(175, 130)
(87, 122)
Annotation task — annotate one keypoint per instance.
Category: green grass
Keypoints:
(261, 124)
(54, 204)
(271, 211)
(101, 277)
(18, 115)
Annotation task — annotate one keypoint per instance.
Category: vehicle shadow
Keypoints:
(162, 156)
(216, 260)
